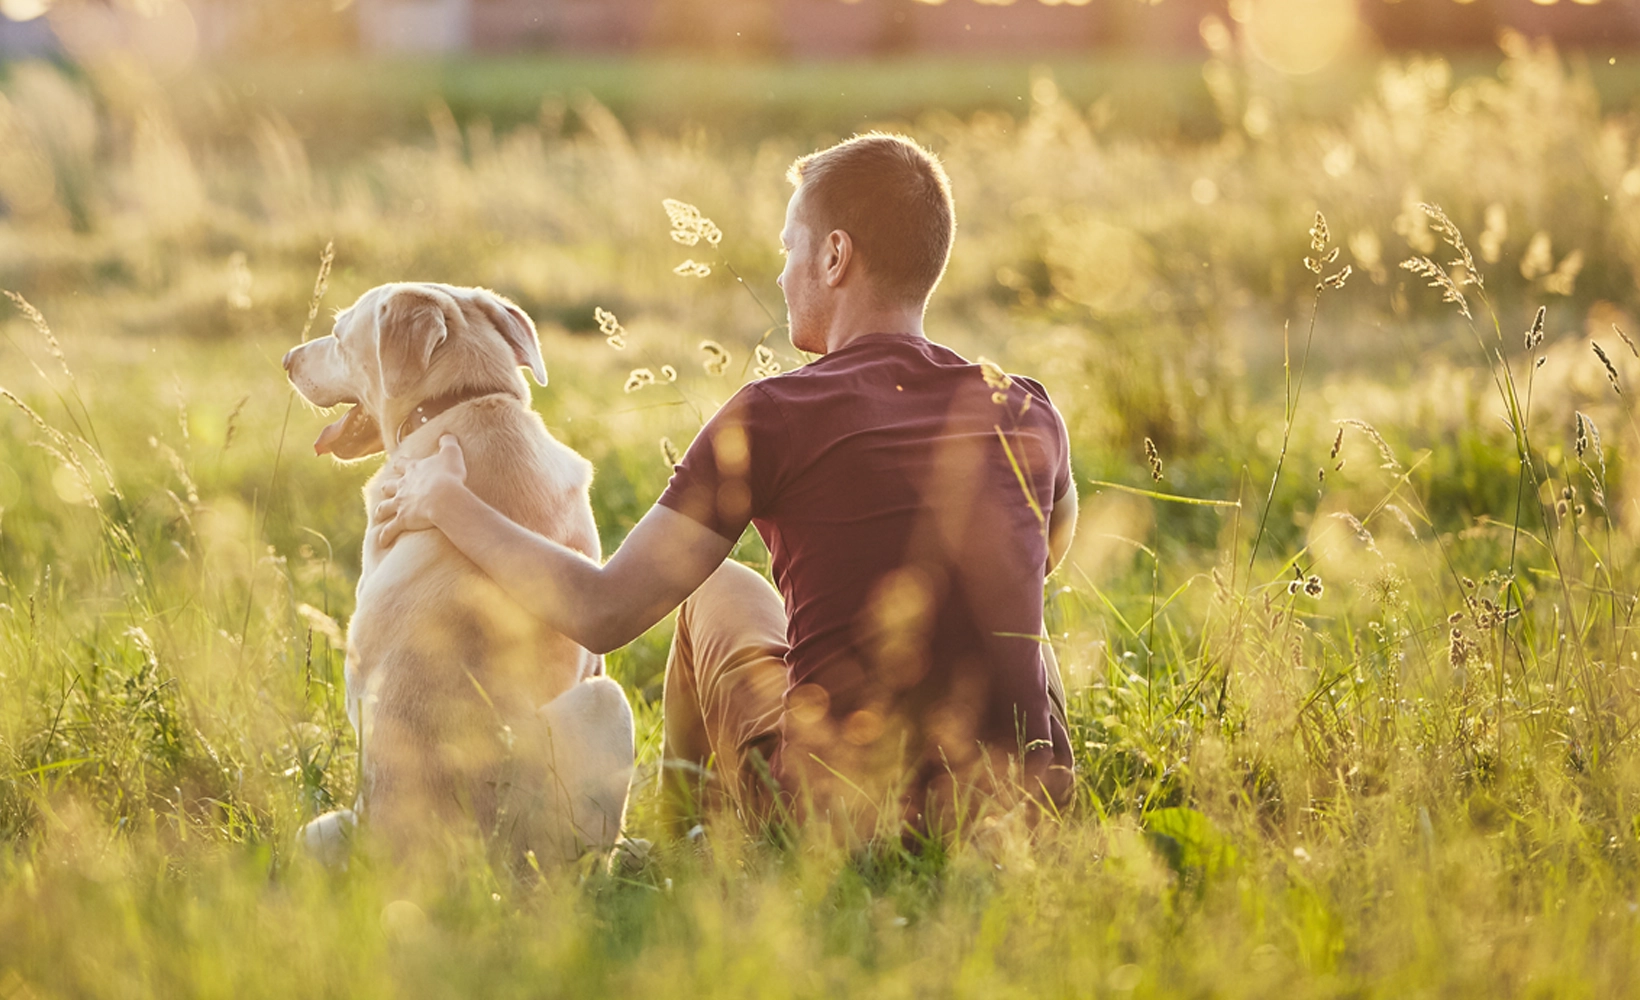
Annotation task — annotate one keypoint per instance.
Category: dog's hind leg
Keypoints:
(329, 838)
(589, 756)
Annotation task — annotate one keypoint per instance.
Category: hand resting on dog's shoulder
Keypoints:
(663, 560)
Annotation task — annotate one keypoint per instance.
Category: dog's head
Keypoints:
(402, 344)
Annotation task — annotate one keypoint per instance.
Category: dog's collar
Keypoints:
(430, 408)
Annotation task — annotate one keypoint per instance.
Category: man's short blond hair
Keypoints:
(893, 199)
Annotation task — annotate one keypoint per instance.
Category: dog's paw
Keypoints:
(329, 838)
(630, 856)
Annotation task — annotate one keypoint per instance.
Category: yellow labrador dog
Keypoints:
(468, 711)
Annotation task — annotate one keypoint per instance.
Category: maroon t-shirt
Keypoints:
(905, 509)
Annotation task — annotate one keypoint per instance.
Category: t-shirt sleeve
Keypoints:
(1059, 435)
(1062, 474)
(732, 471)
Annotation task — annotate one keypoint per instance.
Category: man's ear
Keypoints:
(518, 331)
(839, 256)
(410, 324)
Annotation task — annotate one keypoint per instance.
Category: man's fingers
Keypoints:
(386, 533)
(390, 487)
(448, 442)
(386, 510)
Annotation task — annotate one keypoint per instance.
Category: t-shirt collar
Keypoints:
(877, 338)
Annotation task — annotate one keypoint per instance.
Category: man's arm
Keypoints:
(661, 562)
(1061, 527)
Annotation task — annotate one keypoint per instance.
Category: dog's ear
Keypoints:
(518, 331)
(410, 326)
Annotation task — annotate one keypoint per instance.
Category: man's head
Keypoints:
(872, 214)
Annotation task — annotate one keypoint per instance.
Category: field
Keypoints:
(1366, 725)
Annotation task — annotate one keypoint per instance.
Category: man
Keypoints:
(912, 503)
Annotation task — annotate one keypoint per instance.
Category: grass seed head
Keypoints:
(689, 227)
(638, 378)
(1534, 336)
(1384, 451)
(716, 361)
(766, 366)
(1439, 222)
(1437, 277)
(1626, 341)
(994, 376)
(1320, 236)
(1153, 457)
(1611, 370)
(614, 333)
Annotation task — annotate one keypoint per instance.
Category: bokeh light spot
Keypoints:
(1301, 36)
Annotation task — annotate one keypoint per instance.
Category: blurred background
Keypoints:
(1136, 184)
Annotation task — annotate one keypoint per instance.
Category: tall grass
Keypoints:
(1378, 741)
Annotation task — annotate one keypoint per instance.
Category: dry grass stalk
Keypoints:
(320, 284)
(1626, 341)
(38, 320)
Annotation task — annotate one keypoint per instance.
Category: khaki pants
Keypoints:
(724, 691)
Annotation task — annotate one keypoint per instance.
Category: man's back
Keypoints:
(905, 509)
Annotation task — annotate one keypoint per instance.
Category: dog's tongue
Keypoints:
(343, 437)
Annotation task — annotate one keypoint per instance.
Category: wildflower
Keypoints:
(639, 378)
(668, 373)
(717, 359)
(1312, 586)
(1154, 458)
(692, 269)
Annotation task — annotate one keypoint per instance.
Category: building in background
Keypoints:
(805, 28)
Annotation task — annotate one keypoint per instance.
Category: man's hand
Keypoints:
(601, 607)
(411, 487)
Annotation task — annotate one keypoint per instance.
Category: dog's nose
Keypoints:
(290, 359)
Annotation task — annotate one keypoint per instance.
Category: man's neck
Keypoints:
(850, 324)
